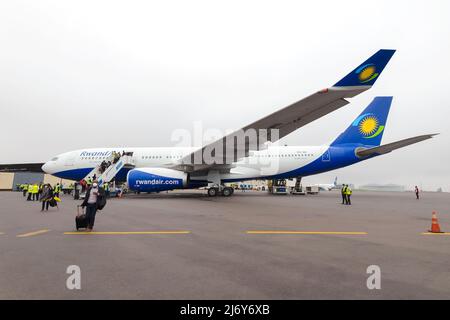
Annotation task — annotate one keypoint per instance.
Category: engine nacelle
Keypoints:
(156, 179)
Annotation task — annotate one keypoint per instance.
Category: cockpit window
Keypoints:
(54, 159)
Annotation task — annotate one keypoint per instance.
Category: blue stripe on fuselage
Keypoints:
(337, 157)
(81, 173)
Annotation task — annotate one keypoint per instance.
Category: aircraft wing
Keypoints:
(16, 167)
(290, 118)
(392, 146)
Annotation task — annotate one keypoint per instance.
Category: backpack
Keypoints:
(52, 202)
(101, 201)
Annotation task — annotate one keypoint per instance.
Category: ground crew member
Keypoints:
(30, 192)
(57, 190)
(24, 189)
(106, 188)
(416, 190)
(344, 194)
(89, 181)
(349, 194)
(35, 192)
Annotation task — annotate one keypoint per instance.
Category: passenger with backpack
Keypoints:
(46, 196)
(94, 200)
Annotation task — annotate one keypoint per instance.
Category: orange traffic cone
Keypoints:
(434, 224)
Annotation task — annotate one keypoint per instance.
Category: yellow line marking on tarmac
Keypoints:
(307, 232)
(125, 232)
(35, 233)
(436, 234)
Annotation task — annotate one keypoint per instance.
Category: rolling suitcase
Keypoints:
(80, 219)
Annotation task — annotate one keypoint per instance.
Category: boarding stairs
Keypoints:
(111, 171)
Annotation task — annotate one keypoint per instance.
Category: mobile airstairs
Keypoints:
(106, 171)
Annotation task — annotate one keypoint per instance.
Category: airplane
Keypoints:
(327, 186)
(214, 165)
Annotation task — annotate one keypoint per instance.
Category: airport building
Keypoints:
(10, 180)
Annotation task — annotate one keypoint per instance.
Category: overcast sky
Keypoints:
(78, 74)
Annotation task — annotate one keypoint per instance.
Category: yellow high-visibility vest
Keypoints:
(30, 188)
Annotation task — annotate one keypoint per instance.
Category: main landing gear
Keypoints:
(226, 191)
(215, 185)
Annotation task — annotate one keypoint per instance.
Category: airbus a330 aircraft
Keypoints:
(159, 169)
(327, 186)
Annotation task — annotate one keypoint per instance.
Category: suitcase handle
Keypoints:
(78, 211)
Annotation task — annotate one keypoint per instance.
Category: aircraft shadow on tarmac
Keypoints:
(191, 195)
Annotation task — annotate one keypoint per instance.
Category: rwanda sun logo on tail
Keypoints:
(366, 73)
(368, 125)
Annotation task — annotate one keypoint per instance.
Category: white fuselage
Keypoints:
(260, 164)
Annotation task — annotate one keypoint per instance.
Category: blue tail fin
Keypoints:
(367, 73)
(368, 127)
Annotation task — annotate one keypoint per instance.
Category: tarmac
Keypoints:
(185, 245)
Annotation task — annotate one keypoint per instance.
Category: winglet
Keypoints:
(368, 72)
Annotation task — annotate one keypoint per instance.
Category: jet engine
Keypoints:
(156, 179)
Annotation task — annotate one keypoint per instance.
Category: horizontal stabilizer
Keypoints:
(392, 146)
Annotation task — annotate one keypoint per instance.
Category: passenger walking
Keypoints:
(416, 190)
(349, 194)
(46, 196)
(116, 157)
(344, 194)
(83, 185)
(41, 186)
(103, 166)
(92, 201)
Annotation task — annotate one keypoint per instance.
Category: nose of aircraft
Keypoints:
(47, 167)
